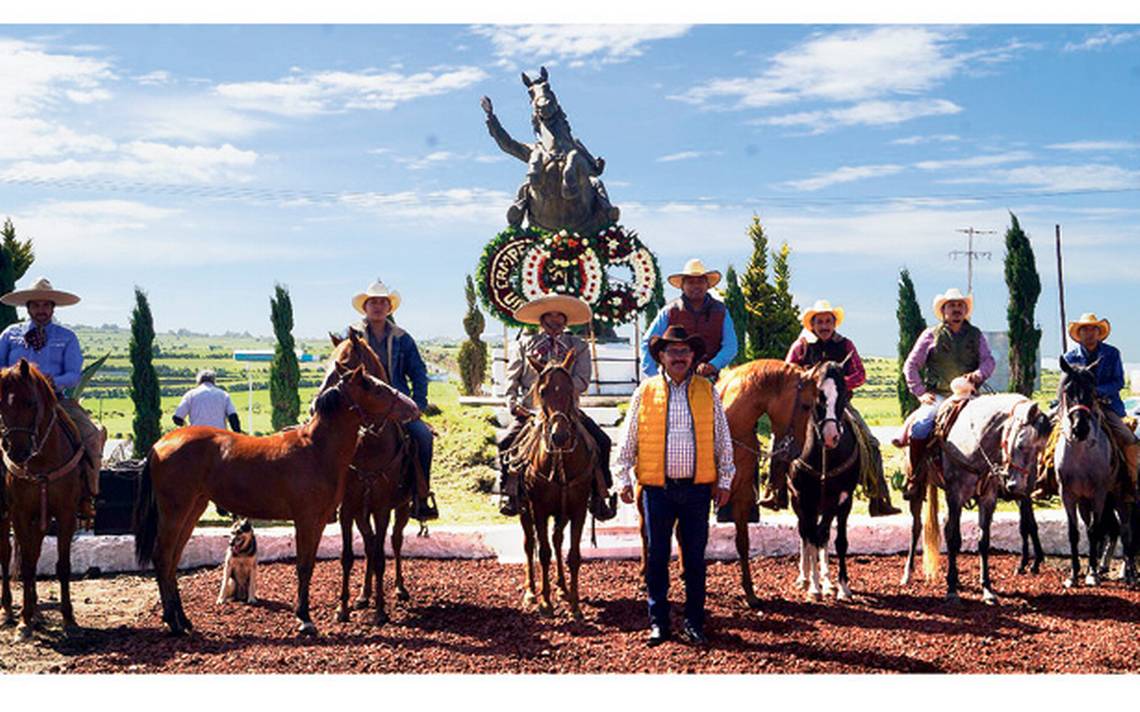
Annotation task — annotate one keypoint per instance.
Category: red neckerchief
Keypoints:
(35, 337)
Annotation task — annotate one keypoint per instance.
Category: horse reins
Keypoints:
(20, 470)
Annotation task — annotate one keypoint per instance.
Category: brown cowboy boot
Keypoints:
(508, 494)
(775, 489)
(914, 481)
(85, 513)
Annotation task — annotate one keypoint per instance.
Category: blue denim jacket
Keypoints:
(1109, 372)
(403, 361)
(60, 359)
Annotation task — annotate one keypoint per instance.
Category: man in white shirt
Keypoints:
(206, 404)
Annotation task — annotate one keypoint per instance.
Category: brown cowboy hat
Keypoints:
(694, 268)
(576, 310)
(41, 290)
(676, 334)
(1090, 319)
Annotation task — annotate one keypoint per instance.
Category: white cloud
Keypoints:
(456, 204)
(934, 138)
(1068, 178)
(31, 137)
(194, 118)
(146, 161)
(158, 77)
(975, 161)
(436, 158)
(687, 155)
(325, 92)
(34, 78)
(1096, 146)
(574, 43)
(1100, 40)
(868, 113)
(845, 174)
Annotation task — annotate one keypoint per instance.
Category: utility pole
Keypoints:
(1061, 293)
(970, 254)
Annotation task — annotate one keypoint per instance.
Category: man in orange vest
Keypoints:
(677, 442)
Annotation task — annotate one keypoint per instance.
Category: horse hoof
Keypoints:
(360, 604)
(813, 596)
(380, 619)
(1036, 569)
(753, 603)
(827, 588)
(989, 598)
(546, 609)
(24, 632)
(1021, 570)
(528, 598)
(843, 593)
(402, 594)
(306, 629)
(953, 598)
(905, 579)
(1070, 582)
(341, 615)
(1092, 580)
(801, 583)
(577, 615)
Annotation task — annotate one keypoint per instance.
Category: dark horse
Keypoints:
(560, 459)
(823, 481)
(380, 481)
(1087, 474)
(296, 474)
(787, 394)
(42, 452)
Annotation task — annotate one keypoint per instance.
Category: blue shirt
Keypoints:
(60, 359)
(728, 343)
(1109, 372)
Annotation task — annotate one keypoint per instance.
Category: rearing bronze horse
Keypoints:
(559, 459)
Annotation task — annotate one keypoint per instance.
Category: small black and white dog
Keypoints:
(239, 573)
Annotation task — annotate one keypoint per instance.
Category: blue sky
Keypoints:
(204, 163)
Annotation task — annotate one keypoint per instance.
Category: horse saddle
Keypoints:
(947, 415)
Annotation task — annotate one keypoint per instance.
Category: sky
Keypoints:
(205, 163)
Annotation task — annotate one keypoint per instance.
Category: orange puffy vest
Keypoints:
(653, 426)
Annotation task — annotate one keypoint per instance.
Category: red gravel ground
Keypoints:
(465, 616)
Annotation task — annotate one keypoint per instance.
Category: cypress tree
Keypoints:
(15, 259)
(783, 321)
(911, 326)
(473, 352)
(284, 373)
(144, 379)
(755, 288)
(1024, 287)
(734, 302)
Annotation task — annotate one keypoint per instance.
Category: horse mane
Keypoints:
(558, 117)
(764, 374)
(328, 402)
(372, 363)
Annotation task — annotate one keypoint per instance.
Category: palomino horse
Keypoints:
(42, 452)
(380, 481)
(295, 474)
(992, 447)
(1087, 474)
(560, 461)
(787, 394)
(822, 484)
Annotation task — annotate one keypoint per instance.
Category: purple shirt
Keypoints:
(921, 351)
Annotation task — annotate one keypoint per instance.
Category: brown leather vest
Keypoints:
(707, 322)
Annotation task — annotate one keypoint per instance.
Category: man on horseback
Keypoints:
(401, 358)
(953, 348)
(677, 441)
(1090, 334)
(821, 342)
(552, 313)
(55, 350)
(701, 314)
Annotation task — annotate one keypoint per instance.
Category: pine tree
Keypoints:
(911, 326)
(144, 380)
(734, 302)
(473, 352)
(15, 259)
(284, 373)
(1024, 287)
(756, 290)
(782, 324)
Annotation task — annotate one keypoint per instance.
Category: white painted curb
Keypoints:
(775, 535)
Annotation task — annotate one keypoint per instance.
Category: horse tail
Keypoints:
(145, 518)
(931, 534)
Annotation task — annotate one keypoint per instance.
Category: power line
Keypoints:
(970, 254)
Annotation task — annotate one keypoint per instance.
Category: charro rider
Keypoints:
(552, 314)
(953, 348)
(821, 342)
(701, 314)
(401, 358)
(55, 350)
(1090, 333)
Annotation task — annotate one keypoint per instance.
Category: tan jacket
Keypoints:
(521, 376)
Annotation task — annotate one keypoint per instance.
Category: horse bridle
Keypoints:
(33, 433)
(1072, 410)
(366, 419)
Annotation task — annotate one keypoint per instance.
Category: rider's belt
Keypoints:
(678, 481)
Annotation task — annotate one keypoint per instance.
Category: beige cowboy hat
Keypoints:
(376, 289)
(694, 268)
(953, 295)
(576, 310)
(41, 290)
(822, 306)
(1090, 319)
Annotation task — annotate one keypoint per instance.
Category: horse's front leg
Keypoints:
(346, 561)
(526, 520)
(953, 533)
(63, 564)
(381, 518)
(570, 172)
(916, 503)
(534, 167)
(541, 522)
(844, 592)
(30, 538)
(5, 563)
(823, 537)
(368, 536)
(403, 514)
(1070, 503)
(558, 530)
(1027, 526)
(985, 520)
(308, 535)
(809, 553)
(1124, 513)
(1093, 530)
(574, 559)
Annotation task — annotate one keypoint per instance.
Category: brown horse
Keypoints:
(296, 474)
(42, 452)
(379, 482)
(559, 458)
(787, 394)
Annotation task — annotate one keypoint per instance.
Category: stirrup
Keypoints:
(508, 506)
(603, 508)
(425, 509)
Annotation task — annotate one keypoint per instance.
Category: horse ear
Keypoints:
(542, 74)
(843, 363)
(537, 365)
(526, 80)
(340, 368)
(1092, 366)
(1065, 364)
(1044, 425)
(335, 339)
(24, 367)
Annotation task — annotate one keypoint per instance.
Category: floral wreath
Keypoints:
(520, 265)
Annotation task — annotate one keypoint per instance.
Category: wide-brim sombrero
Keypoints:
(41, 290)
(576, 310)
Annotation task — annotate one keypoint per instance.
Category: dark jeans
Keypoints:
(686, 505)
(418, 430)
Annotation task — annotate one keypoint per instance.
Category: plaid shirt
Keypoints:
(681, 451)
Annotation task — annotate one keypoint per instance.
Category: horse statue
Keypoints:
(558, 459)
(298, 473)
(991, 449)
(1087, 472)
(42, 451)
(563, 189)
(822, 484)
(379, 482)
(787, 394)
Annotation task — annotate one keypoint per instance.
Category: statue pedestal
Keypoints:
(618, 370)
